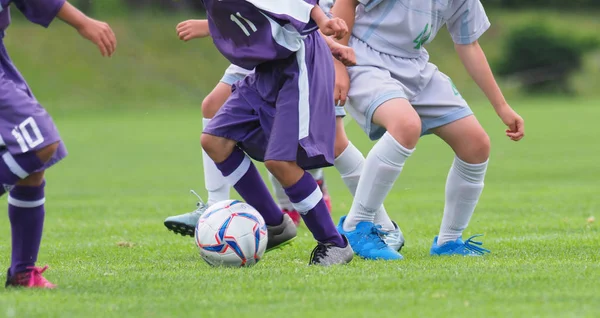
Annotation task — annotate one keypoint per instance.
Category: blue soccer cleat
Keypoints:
(366, 241)
(458, 247)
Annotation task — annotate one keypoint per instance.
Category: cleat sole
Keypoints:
(179, 228)
(281, 245)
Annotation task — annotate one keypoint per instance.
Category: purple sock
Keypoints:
(316, 216)
(239, 170)
(16, 167)
(26, 214)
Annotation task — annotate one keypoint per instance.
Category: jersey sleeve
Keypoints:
(295, 12)
(370, 4)
(468, 21)
(41, 12)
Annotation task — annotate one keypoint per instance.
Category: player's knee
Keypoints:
(406, 131)
(210, 106)
(209, 143)
(482, 147)
(478, 149)
(275, 167)
(280, 169)
(47, 152)
(33, 180)
(217, 148)
(286, 172)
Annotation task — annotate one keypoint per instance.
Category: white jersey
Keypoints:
(402, 27)
(235, 73)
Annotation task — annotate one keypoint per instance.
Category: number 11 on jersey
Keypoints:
(236, 18)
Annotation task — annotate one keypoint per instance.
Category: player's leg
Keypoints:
(214, 182)
(239, 170)
(445, 113)
(379, 105)
(238, 120)
(283, 201)
(349, 162)
(319, 176)
(302, 137)
(464, 184)
(29, 144)
(307, 199)
(26, 213)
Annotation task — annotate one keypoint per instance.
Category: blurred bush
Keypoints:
(543, 60)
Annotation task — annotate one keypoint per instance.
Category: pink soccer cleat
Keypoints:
(294, 215)
(32, 278)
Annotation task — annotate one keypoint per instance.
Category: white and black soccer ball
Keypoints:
(231, 233)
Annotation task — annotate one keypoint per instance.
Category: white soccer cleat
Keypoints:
(394, 238)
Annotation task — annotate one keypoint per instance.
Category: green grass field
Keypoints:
(132, 125)
(128, 170)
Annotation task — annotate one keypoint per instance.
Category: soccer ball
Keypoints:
(231, 233)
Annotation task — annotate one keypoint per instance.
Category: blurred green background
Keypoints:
(169, 73)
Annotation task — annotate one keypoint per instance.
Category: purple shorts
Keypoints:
(283, 110)
(24, 124)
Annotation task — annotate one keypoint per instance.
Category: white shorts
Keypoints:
(380, 77)
(235, 73)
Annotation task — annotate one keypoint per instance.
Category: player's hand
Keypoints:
(342, 84)
(515, 123)
(101, 34)
(192, 29)
(343, 54)
(335, 27)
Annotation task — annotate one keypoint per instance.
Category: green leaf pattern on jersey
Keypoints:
(423, 37)
(454, 89)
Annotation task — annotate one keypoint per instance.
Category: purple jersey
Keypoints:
(41, 12)
(251, 32)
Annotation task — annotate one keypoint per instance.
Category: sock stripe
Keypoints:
(25, 204)
(13, 166)
(239, 172)
(309, 203)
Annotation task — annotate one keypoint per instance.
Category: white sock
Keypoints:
(383, 166)
(214, 182)
(350, 165)
(317, 174)
(463, 189)
(282, 199)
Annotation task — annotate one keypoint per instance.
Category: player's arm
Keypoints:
(192, 29)
(97, 32)
(43, 12)
(345, 10)
(476, 64)
(466, 24)
(342, 53)
(335, 27)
